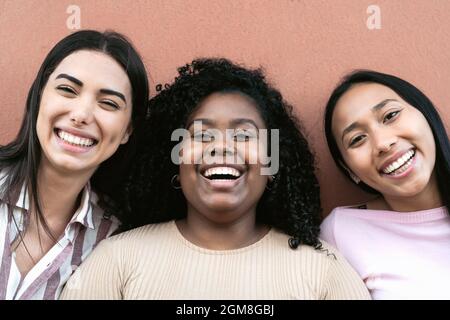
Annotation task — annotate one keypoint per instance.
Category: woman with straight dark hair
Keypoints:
(59, 175)
(387, 137)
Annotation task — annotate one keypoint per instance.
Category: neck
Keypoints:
(428, 198)
(58, 193)
(214, 235)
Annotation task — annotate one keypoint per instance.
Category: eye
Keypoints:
(242, 135)
(203, 136)
(110, 103)
(356, 140)
(66, 89)
(390, 115)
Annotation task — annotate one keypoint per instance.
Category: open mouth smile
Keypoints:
(400, 165)
(78, 142)
(223, 176)
(222, 173)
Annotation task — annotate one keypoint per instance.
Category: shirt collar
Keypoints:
(84, 213)
(23, 200)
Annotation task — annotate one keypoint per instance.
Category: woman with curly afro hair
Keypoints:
(216, 220)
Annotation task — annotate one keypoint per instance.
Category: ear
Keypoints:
(354, 177)
(127, 135)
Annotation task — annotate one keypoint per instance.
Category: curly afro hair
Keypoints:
(292, 205)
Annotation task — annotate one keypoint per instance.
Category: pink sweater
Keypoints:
(399, 255)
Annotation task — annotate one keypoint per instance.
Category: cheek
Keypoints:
(359, 160)
(190, 152)
(251, 152)
(427, 135)
(416, 126)
(113, 127)
(187, 174)
(417, 131)
(429, 145)
(43, 121)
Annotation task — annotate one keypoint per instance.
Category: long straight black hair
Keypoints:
(415, 98)
(20, 159)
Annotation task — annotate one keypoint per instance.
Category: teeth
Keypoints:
(406, 158)
(83, 142)
(222, 171)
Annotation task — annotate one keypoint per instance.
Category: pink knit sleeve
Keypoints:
(327, 228)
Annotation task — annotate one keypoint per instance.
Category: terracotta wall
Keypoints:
(304, 45)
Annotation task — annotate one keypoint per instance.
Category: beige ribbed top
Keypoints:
(157, 262)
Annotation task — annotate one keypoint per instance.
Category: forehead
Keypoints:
(224, 107)
(93, 67)
(358, 102)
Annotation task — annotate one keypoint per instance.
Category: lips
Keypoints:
(222, 177)
(75, 139)
(399, 163)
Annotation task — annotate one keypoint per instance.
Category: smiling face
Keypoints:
(384, 141)
(84, 113)
(224, 181)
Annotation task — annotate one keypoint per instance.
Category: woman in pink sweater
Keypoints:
(386, 136)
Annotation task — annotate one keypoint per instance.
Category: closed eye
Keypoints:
(243, 135)
(110, 104)
(203, 136)
(391, 115)
(67, 89)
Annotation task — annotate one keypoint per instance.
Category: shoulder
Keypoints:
(324, 269)
(343, 222)
(107, 224)
(145, 235)
(305, 253)
(346, 215)
(310, 262)
(135, 246)
(328, 225)
(332, 264)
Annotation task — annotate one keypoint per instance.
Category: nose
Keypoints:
(222, 149)
(383, 141)
(221, 145)
(82, 113)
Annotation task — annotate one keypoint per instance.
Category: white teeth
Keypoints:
(222, 171)
(405, 159)
(83, 142)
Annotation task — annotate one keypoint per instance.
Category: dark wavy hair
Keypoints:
(293, 203)
(20, 159)
(415, 98)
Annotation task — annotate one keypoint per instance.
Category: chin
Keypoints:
(223, 205)
(408, 192)
(69, 166)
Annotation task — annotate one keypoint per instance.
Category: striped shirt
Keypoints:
(47, 278)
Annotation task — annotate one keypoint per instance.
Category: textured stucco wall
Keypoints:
(305, 47)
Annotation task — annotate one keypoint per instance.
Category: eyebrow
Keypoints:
(70, 78)
(80, 84)
(375, 108)
(244, 121)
